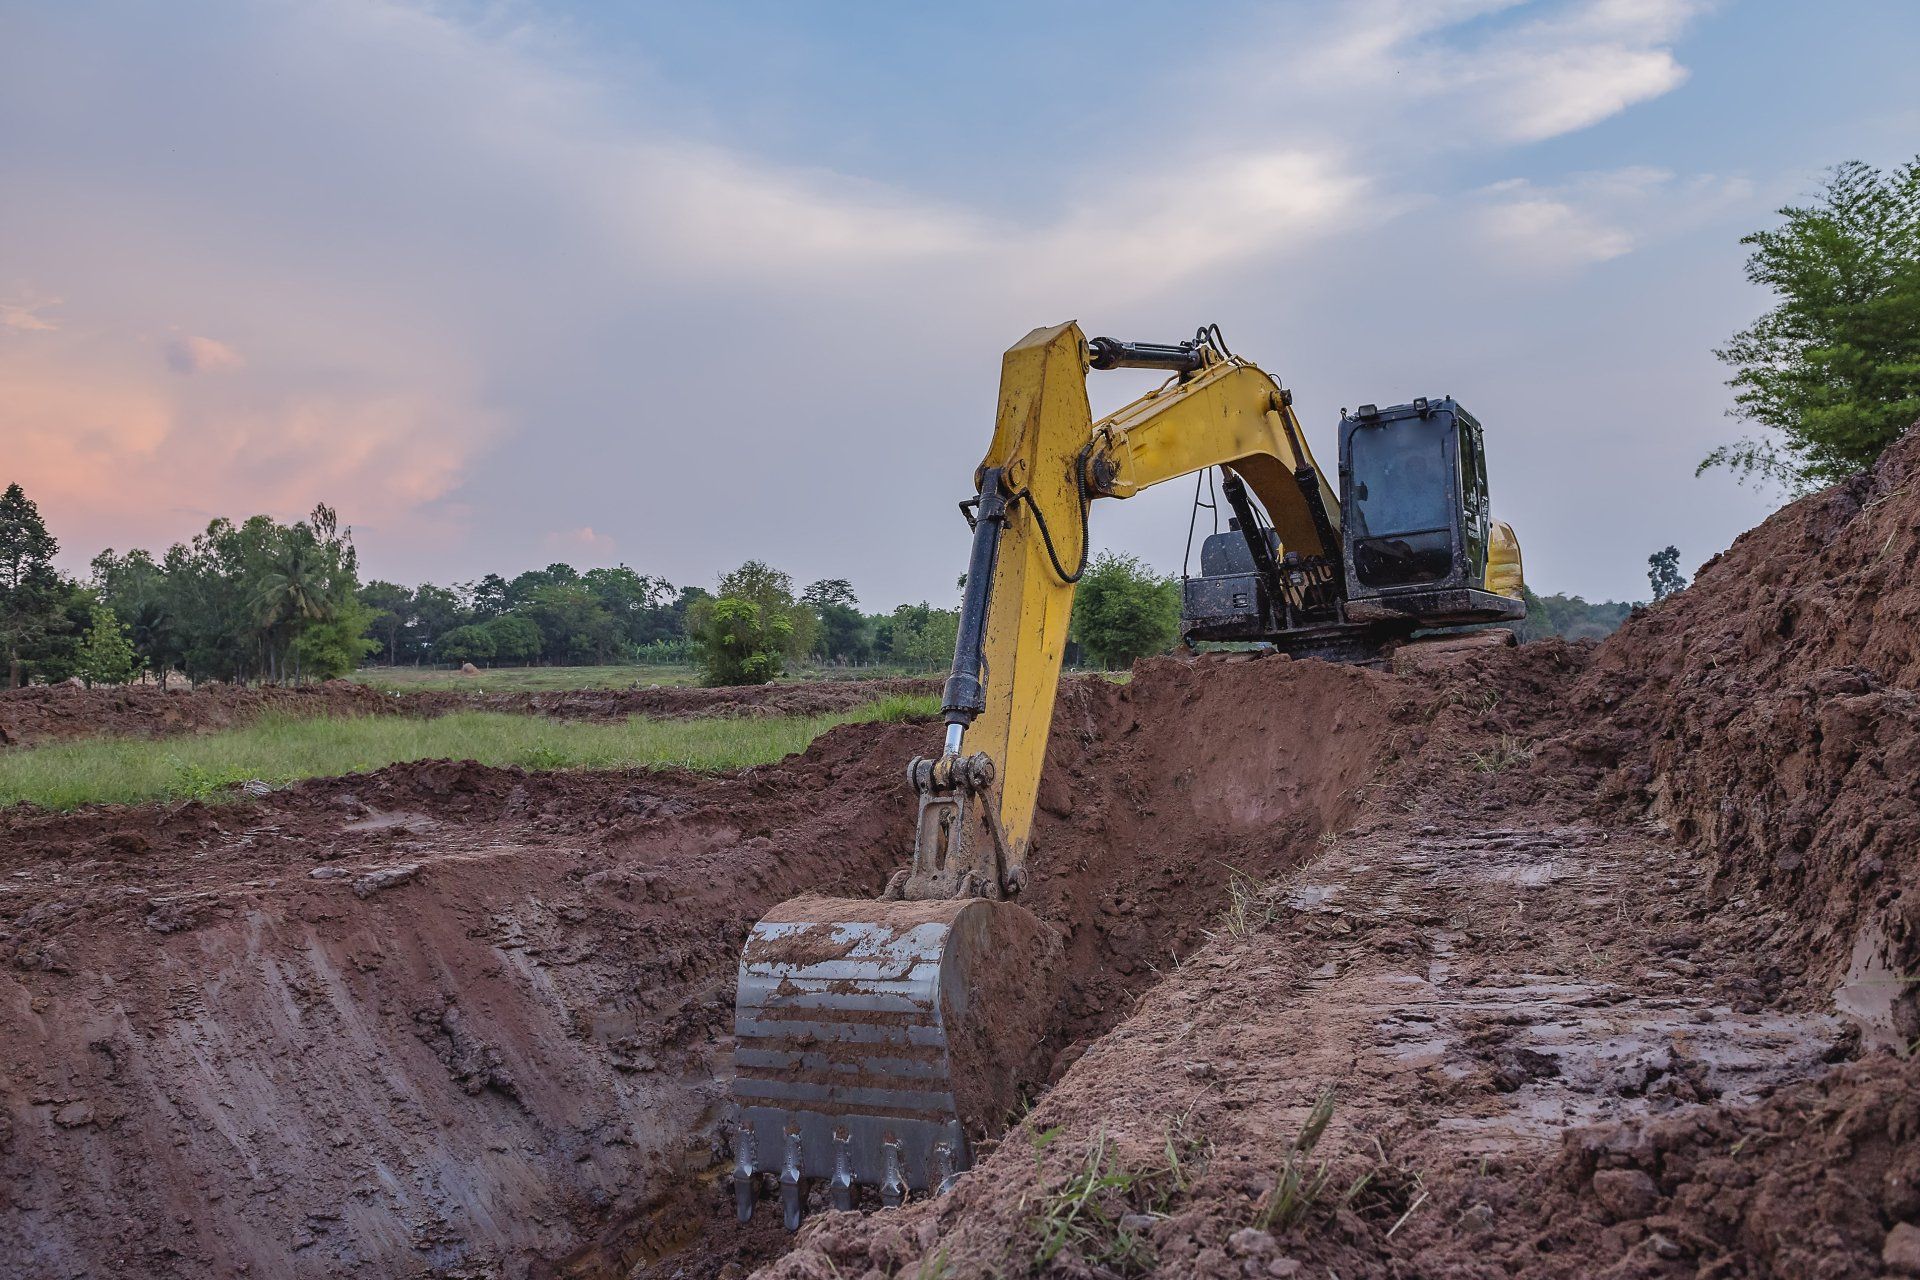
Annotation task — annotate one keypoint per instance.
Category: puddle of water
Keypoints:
(1871, 989)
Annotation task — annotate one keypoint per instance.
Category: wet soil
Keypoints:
(61, 712)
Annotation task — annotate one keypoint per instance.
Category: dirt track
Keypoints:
(1561, 927)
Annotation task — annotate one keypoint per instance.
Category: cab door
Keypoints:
(1476, 508)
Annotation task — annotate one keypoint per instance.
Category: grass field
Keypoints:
(280, 749)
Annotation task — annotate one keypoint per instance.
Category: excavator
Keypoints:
(878, 1043)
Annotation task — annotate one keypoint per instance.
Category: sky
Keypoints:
(678, 285)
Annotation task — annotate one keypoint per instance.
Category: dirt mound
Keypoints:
(56, 712)
(1770, 713)
(807, 698)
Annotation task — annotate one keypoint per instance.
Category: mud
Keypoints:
(1598, 955)
(41, 714)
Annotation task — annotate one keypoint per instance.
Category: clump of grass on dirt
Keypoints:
(279, 748)
(1095, 1216)
(1250, 907)
(1508, 753)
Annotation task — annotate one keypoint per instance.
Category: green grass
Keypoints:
(280, 749)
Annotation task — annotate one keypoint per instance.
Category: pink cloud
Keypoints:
(585, 538)
(117, 453)
(192, 355)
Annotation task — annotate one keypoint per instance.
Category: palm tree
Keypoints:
(292, 592)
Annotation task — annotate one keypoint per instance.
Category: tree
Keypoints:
(829, 591)
(106, 655)
(1663, 571)
(135, 588)
(772, 590)
(1123, 611)
(515, 639)
(1831, 374)
(1571, 617)
(465, 644)
(740, 641)
(921, 637)
(641, 606)
(843, 634)
(31, 599)
(392, 609)
(573, 625)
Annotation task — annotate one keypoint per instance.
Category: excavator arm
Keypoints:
(876, 1042)
(1048, 462)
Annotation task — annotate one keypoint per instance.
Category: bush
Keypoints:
(515, 639)
(739, 641)
(1123, 611)
(465, 644)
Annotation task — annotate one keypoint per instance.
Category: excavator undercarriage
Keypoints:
(878, 1042)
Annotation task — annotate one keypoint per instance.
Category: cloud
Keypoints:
(23, 314)
(584, 539)
(1592, 217)
(471, 273)
(191, 355)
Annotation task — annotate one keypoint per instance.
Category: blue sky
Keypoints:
(677, 285)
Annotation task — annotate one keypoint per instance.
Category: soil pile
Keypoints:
(53, 713)
(1770, 714)
(48, 714)
(805, 698)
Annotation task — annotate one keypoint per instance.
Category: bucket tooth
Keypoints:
(793, 1187)
(745, 1193)
(893, 1179)
(940, 1170)
(842, 1184)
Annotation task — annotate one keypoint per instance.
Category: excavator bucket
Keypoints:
(875, 1043)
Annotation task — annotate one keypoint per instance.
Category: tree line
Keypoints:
(265, 601)
(257, 600)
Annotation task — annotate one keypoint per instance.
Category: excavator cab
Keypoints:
(1419, 537)
(1418, 548)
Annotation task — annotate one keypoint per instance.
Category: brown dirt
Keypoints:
(41, 714)
(1559, 926)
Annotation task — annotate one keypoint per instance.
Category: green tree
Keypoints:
(921, 637)
(392, 610)
(465, 644)
(1663, 572)
(739, 641)
(135, 588)
(515, 639)
(106, 654)
(843, 635)
(772, 590)
(1124, 611)
(31, 593)
(1831, 375)
(574, 628)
